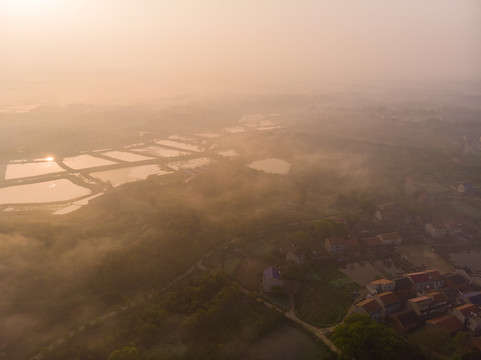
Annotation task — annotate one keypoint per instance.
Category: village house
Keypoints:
(428, 280)
(403, 287)
(372, 242)
(421, 306)
(391, 238)
(271, 278)
(470, 316)
(447, 322)
(456, 281)
(436, 229)
(297, 255)
(404, 321)
(451, 295)
(440, 303)
(369, 307)
(352, 246)
(420, 280)
(464, 188)
(437, 281)
(453, 228)
(389, 302)
(335, 246)
(473, 297)
(380, 286)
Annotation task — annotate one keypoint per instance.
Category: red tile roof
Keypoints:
(418, 278)
(352, 243)
(468, 309)
(372, 241)
(420, 299)
(388, 298)
(434, 274)
(448, 322)
(370, 305)
(438, 297)
(381, 282)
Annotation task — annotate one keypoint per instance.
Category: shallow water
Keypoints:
(86, 161)
(161, 151)
(129, 174)
(21, 170)
(126, 156)
(179, 145)
(42, 192)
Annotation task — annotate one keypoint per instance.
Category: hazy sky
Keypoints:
(106, 49)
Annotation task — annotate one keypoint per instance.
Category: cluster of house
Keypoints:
(424, 297)
(342, 246)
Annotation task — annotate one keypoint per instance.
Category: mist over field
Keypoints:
(226, 180)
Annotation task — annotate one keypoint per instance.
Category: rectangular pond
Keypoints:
(86, 161)
(179, 145)
(26, 169)
(129, 174)
(42, 192)
(126, 156)
(160, 151)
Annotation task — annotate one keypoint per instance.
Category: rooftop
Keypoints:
(402, 283)
(468, 309)
(420, 299)
(372, 241)
(381, 282)
(438, 297)
(388, 298)
(419, 277)
(474, 297)
(456, 279)
(370, 305)
(447, 322)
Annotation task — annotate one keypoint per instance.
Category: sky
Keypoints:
(101, 50)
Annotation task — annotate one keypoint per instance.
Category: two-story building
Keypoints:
(453, 227)
(447, 322)
(473, 297)
(389, 302)
(392, 238)
(421, 306)
(335, 246)
(380, 286)
(436, 229)
(470, 316)
(369, 307)
(403, 288)
(456, 281)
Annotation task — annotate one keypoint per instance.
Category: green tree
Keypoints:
(126, 353)
(361, 338)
